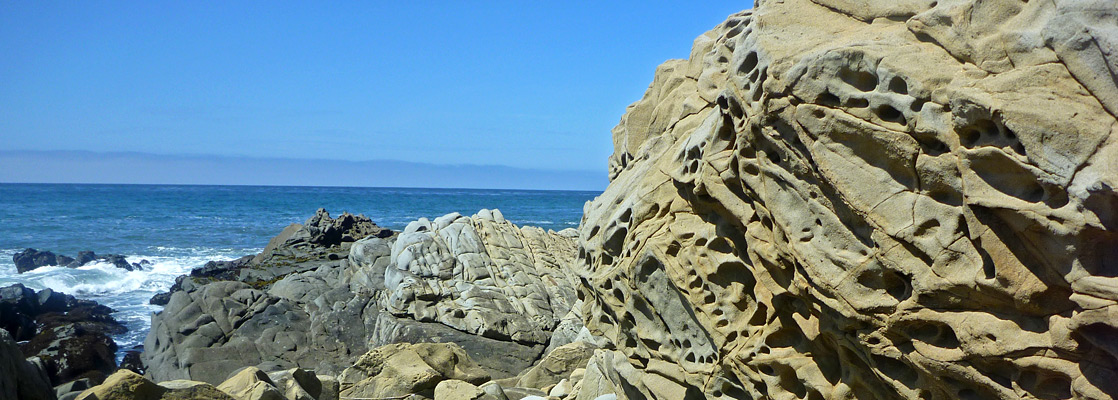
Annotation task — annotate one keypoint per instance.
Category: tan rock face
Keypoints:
(867, 199)
(403, 369)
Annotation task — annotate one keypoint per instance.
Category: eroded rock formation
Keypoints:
(867, 199)
(324, 293)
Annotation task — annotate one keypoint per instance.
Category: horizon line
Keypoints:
(291, 186)
(257, 158)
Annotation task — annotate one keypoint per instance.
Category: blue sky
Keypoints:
(527, 85)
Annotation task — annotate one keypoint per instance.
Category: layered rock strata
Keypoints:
(838, 199)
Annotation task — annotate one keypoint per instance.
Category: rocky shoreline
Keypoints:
(827, 200)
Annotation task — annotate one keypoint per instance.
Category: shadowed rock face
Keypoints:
(867, 199)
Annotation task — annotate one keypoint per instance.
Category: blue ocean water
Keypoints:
(182, 227)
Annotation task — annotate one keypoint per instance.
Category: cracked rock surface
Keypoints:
(836, 199)
(324, 293)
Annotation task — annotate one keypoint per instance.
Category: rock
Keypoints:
(481, 276)
(20, 379)
(295, 306)
(453, 389)
(133, 362)
(557, 365)
(128, 385)
(84, 257)
(561, 389)
(231, 325)
(251, 384)
(29, 259)
(76, 387)
(852, 199)
(524, 393)
(402, 369)
(18, 308)
(300, 384)
(71, 338)
(500, 358)
(124, 385)
(192, 390)
(118, 261)
(494, 391)
(320, 232)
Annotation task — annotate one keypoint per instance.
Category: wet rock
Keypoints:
(70, 337)
(29, 259)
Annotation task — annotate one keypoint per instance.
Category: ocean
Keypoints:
(180, 227)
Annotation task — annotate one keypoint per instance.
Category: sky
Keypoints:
(531, 86)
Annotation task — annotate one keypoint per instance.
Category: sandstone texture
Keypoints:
(247, 384)
(837, 199)
(324, 293)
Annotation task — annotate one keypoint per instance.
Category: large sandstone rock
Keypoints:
(128, 385)
(867, 199)
(403, 369)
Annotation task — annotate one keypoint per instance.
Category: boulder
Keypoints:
(128, 385)
(403, 369)
(557, 365)
(453, 389)
(251, 383)
(124, 385)
(29, 259)
(866, 199)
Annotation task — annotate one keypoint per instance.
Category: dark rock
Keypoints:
(160, 299)
(133, 362)
(51, 301)
(221, 270)
(84, 257)
(20, 379)
(118, 261)
(73, 351)
(70, 337)
(73, 387)
(18, 307)
(30, 259)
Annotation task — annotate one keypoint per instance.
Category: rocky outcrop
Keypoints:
(483, 276)
(317, 299)
(29, 259)
(71, 338)
(873, 200)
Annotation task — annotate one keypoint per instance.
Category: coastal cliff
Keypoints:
(840, 199)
